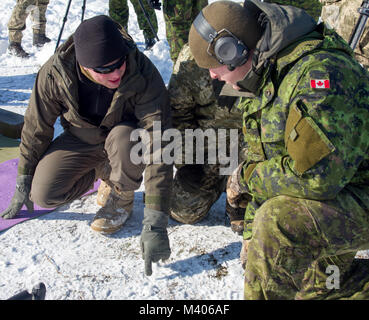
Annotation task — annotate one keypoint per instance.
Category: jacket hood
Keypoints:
(282, 26)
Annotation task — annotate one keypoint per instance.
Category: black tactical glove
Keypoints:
(154, 4)
(154, 238)
(21, 197)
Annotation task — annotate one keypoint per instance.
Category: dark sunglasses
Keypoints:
(110, 68)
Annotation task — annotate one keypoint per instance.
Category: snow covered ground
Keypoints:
(62, 251)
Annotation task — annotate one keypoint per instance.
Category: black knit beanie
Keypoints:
(98, 42)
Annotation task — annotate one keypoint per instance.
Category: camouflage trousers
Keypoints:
(17, 22)
(305, 249)
(312, 7)
(195, 189)
(179, 16)
(118, 11)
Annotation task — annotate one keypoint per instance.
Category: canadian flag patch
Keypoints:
(320, 84)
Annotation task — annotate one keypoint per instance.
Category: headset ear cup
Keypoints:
(225, 49)
(230, 51)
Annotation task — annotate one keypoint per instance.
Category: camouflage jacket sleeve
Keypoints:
(325, 135)
(188, 87)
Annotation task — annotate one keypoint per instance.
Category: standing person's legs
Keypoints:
(119, 12)
(179, 16)
(142, 21)
(39, 16)
(39, 23)
(17, 22)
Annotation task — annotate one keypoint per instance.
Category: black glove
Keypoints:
(154, 238)
(21, 197)
(154, 4)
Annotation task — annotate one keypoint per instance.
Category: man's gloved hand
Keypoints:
(236, 197)
(154, 238)
(21, 197)
(154, 4)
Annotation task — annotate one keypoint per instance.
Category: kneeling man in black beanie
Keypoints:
(102, 88)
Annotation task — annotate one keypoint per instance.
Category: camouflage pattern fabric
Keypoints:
(17, 22)
(312, 7)
(342, 15)
(302, 238)
(306, 143)
(195, 104)
(195, 189)
(179, 16)
(118, 11)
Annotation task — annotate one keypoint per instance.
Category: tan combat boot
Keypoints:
(103, 193)
(116, 209)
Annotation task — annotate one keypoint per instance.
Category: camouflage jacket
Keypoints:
(307, 128)
(195, 102)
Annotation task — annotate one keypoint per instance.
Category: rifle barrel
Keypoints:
(360, 24)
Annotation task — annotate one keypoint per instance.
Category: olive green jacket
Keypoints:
(141, 96)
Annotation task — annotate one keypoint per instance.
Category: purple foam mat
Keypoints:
(8, 175)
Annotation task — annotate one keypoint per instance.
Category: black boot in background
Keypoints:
(39, 39)
(149, 43)
(15, 49)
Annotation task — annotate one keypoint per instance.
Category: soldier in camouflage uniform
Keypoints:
(178, 17)
(197, 187)
(118, 10)
(342, 16)
(195, 104)
(305, 121)
(17, 24)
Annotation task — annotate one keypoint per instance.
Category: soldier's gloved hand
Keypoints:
(21, 197)
(234, 192)
(154, 238)
(154, 4)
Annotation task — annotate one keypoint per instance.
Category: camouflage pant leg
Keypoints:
(17, 22)
(195, 189)
(142, 21)
(119, 12)
(295, 240)
(39, 17)
(312, 7)
(179, 16)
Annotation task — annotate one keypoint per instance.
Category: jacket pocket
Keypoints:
(306, 143)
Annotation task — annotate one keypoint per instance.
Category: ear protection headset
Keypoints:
(228, 49)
